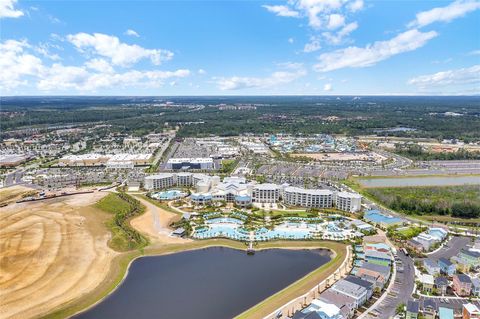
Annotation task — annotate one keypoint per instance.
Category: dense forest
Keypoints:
(426, 116)
(456, 201)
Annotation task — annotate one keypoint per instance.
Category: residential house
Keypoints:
(470, 311)
(445, 313)
(441, 283)
(378, 257)
(446, 267)
(412, 309)
(350, 289)
(344, 302)
(381, 273)
(476, 287)
(431, 266)
(429, 309)
(319, 309)
(427, 282)
(462, 285)
(415, 245)
(361, 282)
(470, 258)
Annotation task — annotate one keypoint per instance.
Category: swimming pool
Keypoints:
(169, 195)
(377, 217)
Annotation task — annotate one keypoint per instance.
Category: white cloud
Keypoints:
(282, 11)
(470, 75)
(475, 52)
(338, 38)
(291, 40)
(7, 9)
(21, 67)
(132, 33)
(335, 21)
(201, 71)
(100, 65)
(327, 87)
(355, 57)
(313, 45)
(276, 78)
(317, 11)
(16, 64)
(355, 5)
(120, 53)
(454, 10)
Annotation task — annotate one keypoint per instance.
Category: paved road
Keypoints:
(451, 248)
(401, 291)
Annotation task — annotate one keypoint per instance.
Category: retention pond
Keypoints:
(208, 283)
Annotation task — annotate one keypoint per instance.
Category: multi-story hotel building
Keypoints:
(318, 198)
(349, 202)
(266, 193)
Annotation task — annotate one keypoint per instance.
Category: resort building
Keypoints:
(344, 302)
(476, 287)
(467, 259)
(462, 285)
(159, 181)
(429, 309)
(429, 238)
(317, 198)
(361, 282)
(378, 257)
(427, 282)
(319, 309)
(349, 202)
(199, 163)
(370, 270)
(266, 193)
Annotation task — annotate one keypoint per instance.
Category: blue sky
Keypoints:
(319, 47)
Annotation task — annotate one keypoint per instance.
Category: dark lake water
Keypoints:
(211, 283)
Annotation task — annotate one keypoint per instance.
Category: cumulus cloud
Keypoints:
(335, 21)
(322, 15)
(313, 45)
(119, 53)
(17, 64)
(132, 33)
(7, 9)
(20, 66)
(276, 78)
(454, 10)
(282, 11)
(356, 57)
(470, 75)
(327, 87)
(201, 71)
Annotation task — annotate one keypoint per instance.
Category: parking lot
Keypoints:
(451, 248)
(401, 291)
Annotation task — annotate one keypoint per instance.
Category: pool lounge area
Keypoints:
(171, 194)
(375, 216)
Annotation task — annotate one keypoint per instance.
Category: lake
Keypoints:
(208, 283)
(420, 181)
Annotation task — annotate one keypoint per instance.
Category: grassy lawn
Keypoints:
(409, 232)
(121, 263)
(124, 207)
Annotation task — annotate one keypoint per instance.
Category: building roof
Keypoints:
(412, 306)
(336, 298)
(445, 261)
(349, 288)
(470, 253)
(427, 279)
(429, 304)
(441, 281)
(384, 270)
(464, 278)
(359, 281)
(430, 263)
(378, 254)
(471, 308)
(445, 313)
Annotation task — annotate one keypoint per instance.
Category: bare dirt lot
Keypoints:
(51, 252)
(155, 224)
(11, 194)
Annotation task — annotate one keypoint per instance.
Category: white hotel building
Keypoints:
(266, 193)
(318, 198)
(349, 202)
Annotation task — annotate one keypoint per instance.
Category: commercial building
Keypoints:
(12, 160)
(349, 202)
(200, 163)
(317, 198)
